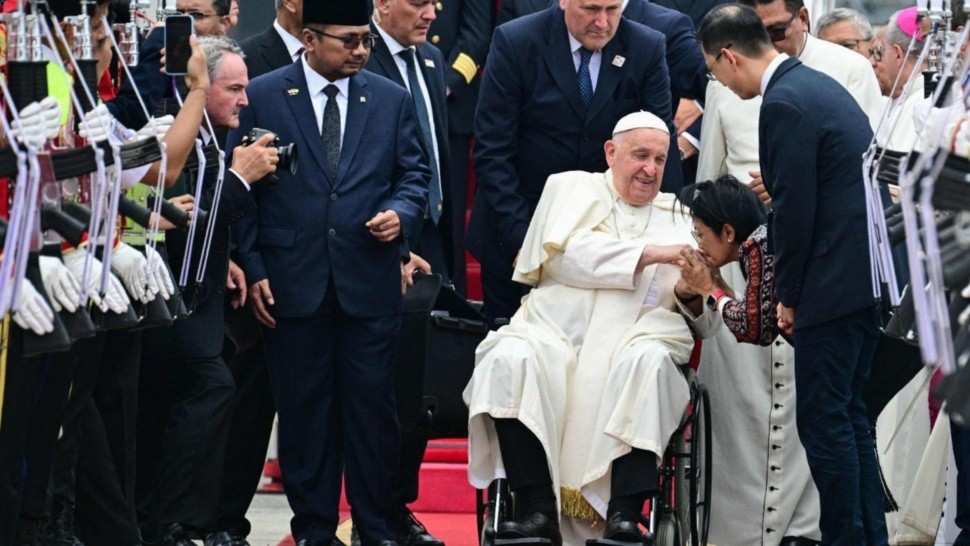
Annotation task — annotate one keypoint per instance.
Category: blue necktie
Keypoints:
(585, 81)
(331, 131)
(427, 135)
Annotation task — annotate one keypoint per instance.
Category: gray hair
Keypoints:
(838, 15)
(215, 48)
(896, 36)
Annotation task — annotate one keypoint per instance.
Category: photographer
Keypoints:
(186, 388)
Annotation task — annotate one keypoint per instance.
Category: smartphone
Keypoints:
(178, 28)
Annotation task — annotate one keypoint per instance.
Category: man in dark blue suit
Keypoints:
(812, 136)
(555, 84)
(403, 55)
(685, 63)
(323, 256)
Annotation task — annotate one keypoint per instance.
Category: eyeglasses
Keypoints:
(350, 42)
(696, 235)
(198, 15)
(710, 69)
(777, 34)
(876, 52)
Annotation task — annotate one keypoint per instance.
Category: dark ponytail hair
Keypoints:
(725, 201)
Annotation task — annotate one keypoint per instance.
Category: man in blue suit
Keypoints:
(403, 55)
(555, 84)
(812, 135)
(323, 258)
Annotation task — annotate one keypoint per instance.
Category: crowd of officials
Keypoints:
(754, 118)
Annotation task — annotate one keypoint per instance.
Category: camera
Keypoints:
(287, 154)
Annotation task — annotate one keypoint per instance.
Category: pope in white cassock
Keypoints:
(575, 398)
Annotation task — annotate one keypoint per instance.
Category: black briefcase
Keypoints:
(440, 331)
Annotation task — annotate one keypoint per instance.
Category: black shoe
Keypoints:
(417, 533)
(622, 527)
(222, 538)
(62, 525)
(176, 535)
(34, 532)
(535, 525)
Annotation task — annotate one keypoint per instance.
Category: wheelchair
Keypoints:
(680, 512)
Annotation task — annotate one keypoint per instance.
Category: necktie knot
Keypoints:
(331, 91)
(585, 55)
(407, 55)
(298, 53)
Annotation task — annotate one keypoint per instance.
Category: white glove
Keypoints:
(61, 286)
(98, 124)
(115, 299)
(161, 127)
(132, 267)
(163, 278)
(38, 122)
(33, 313)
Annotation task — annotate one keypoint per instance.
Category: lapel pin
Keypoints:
(429, 63)
(618, 61)
(293, 91)
(363, 99)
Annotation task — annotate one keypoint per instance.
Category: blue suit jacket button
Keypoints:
(332, 232)
(333, 196)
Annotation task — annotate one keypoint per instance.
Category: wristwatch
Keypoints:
(714, 298)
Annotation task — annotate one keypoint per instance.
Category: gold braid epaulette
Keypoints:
(575, 505)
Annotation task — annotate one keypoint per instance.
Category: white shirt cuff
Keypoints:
(241, 179)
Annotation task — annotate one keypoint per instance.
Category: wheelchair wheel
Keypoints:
(701, 467)
(494, 507)
(668, 531)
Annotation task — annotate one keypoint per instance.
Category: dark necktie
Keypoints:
(331, 131)
(585, 81)
(299, 53)
(427, 134)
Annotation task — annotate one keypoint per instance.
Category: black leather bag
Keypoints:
(440, 331)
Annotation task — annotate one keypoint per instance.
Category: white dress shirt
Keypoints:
(395, 49)
(293, 45)
(594, 61)
(315, 84)
(770, 71)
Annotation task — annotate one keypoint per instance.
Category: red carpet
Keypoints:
(446, 504)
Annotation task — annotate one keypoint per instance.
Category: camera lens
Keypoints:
(287, 155)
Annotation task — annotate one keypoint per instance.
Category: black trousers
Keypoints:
(333, 377)
(460, 162)
(413, 445)
(51, 409)
(183, 423)
(253, 410)
(19, 390)
(105, 477)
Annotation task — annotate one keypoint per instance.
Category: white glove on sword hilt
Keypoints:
(133, 269)
(32, 311)
(61, 286)
(115, 298)
(39, 121)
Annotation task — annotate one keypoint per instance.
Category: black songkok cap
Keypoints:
(336, 12)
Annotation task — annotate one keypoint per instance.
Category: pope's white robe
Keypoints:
(589, 363)
(899, 131)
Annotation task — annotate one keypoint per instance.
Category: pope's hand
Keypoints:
(60, 284)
